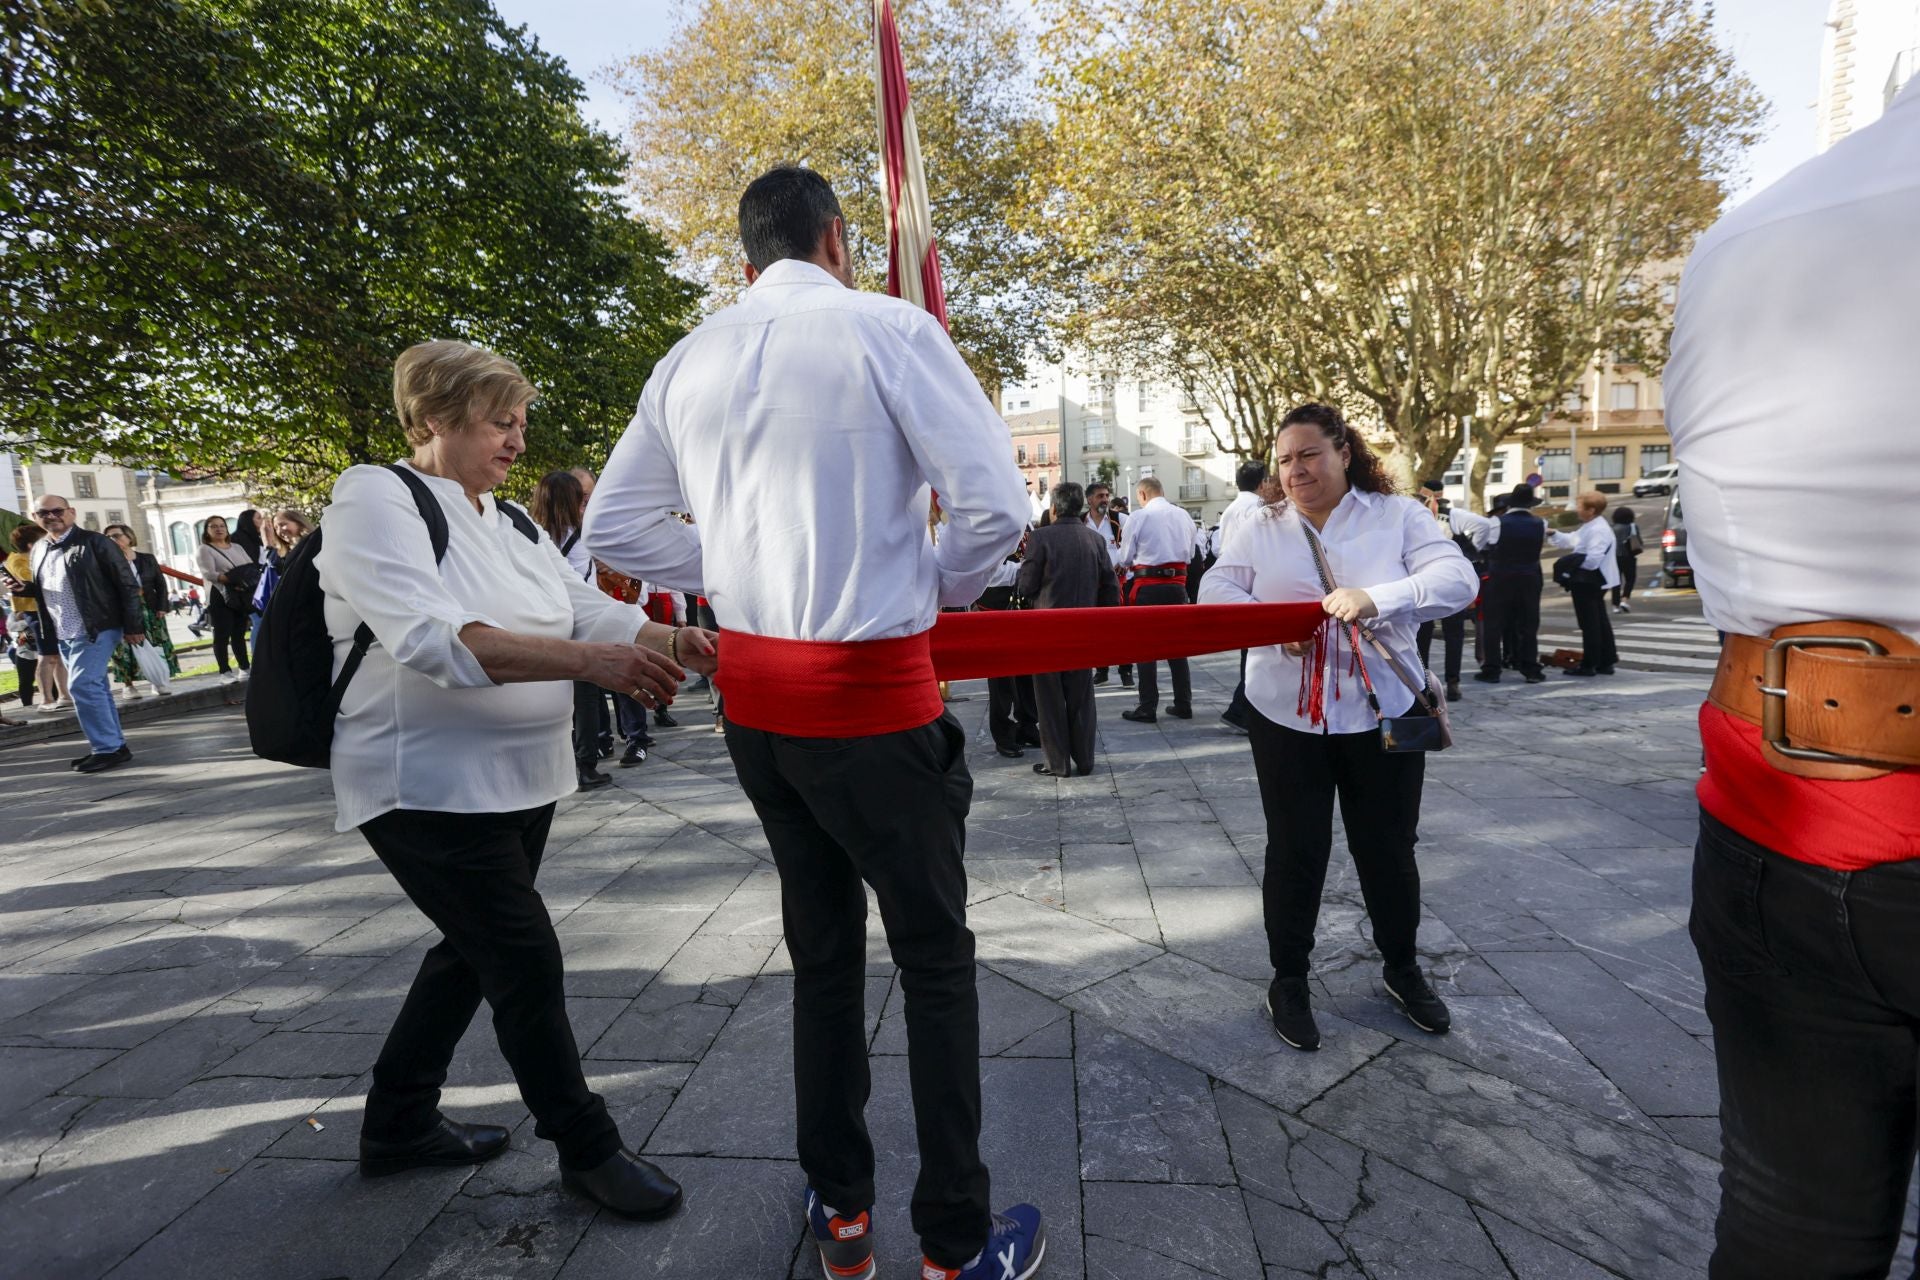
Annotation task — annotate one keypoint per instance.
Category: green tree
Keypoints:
(740, 88)
(422, 171)
(1431, 212)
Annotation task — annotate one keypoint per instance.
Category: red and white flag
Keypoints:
(913, 259)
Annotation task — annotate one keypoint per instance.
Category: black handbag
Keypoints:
(1426, 726)
(1568, 572)
(237, 590)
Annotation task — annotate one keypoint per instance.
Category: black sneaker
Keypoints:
(1290, 1006)
(1423, 1008)
(1100, 676)
(1126, 679)
(80, 760)
(102, 762)
(634, 754)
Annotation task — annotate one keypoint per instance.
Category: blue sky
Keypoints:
(1777, 43)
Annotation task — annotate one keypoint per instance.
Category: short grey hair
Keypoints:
(1069, 501)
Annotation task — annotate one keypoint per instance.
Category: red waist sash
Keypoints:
(1843, 826)
(829, 688)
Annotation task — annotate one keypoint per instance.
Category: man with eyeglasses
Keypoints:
(89, 602)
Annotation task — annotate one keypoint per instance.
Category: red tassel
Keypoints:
(1313, 683)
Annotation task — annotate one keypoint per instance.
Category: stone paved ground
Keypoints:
(195, 974)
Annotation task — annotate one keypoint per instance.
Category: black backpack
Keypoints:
(292, 694)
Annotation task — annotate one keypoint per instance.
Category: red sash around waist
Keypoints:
(1843, 826)
(829, 688)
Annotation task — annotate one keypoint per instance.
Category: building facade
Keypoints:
(1869, 52)
(177, 512)
(1032, 413)
(101, 492)
(1122, 429)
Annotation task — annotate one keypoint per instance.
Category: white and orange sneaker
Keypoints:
(846, 1243)
(1014, 1249)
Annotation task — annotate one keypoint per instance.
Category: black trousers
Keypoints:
(1596, 629)
(1453, 632)
(1011, 713)
(1163, 592)
(1629, 575)
(1239, 711)
(1300, 774)
(888, 810)
(1511, 601)
(229, 632)
(1065, 702)
(1814, 994)
(472, 875)
(589, 716)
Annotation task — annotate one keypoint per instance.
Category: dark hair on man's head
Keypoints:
(1250, 475)
(784, 213)
(1623, 515)
(1364, 469)
(559, 504)
(1069, 501)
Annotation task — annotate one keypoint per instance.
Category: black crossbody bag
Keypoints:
(1426, 727)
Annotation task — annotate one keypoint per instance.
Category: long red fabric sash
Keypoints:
(843, 689)
(969, 646)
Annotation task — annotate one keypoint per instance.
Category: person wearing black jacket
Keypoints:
(1067, 566)
(1510, 596)
(89, 601)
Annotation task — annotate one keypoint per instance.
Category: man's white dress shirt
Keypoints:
(802, 428)
(1481, 531)
(422, 726)
(1106, 528)
(1391, 548)
(1594, 540)
(1158, 533)
(1243, 507)
(1793, 391)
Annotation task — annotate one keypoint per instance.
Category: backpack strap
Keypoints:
(572, 540)
(436, 521)
(521, 521)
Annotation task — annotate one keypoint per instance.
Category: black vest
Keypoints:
(1518, 550)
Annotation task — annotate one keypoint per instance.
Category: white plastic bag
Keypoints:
(153, 666)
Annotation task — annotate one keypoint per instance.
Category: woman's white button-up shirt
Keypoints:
(1393, 549)
(422, 727)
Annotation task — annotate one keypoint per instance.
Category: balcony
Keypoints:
(1096, 446)
(1193, 493)
(1196, 447)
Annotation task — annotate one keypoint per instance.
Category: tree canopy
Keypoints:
(1435, 213)
(223, 219)
(740, 88)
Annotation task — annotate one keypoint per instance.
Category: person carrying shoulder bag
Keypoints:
(1331, 721)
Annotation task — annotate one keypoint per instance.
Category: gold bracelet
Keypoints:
(673, 646)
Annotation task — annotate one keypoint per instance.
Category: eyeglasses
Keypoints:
(48, 512)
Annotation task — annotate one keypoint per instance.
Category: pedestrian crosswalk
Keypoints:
(1657, 644)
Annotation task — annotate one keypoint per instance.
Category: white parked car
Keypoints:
(1659, 481)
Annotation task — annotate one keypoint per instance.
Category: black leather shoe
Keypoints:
(1485, 677)
(592, 779)
(1045, 770)
(447, 1144)
(662, 720)
(1011, 753)
(101, 763)
(1537, 677)
(1180, 713)
(1423, 1008)
(1581, 671)
(78, 761)
(1453, 691)
(626, 1184)
(1290, 1007)
(1140, 715)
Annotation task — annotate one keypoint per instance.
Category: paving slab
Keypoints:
(1145, 1117)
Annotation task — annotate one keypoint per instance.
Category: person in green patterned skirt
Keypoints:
(153, 607)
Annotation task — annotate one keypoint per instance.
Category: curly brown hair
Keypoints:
(1365, 471)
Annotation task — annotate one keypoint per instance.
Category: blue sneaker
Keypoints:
(846, 1244)
(1014, 1248)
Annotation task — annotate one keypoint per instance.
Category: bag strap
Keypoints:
(436, 521)
(1422, 691)
(573, 540)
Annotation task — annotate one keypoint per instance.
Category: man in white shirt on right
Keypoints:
(1158, 547)
(1250, 475)
(1104, 519)
(1790, 397)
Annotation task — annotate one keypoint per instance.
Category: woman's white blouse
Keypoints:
(422, 727)
(1393, 549)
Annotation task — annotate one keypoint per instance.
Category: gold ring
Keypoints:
(639, 693)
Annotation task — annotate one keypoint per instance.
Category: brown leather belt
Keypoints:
(1834, 700)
